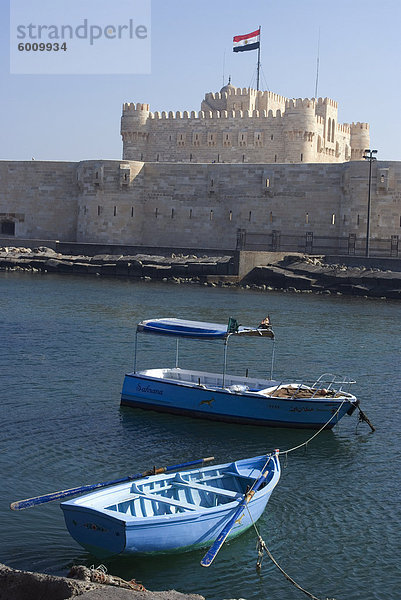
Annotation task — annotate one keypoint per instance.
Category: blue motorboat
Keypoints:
(176, 512)
(231, 398)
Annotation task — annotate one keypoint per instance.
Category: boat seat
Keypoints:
(239, 475)
(163, 499)
(178, 481)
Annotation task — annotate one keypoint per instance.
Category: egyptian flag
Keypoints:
(250, 41)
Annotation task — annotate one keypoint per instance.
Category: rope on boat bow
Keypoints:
(362, 417)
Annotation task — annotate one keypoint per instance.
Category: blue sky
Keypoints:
(77, 117)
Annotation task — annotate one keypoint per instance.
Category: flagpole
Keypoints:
(258, 71)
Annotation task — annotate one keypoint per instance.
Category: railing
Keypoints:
(309, 243)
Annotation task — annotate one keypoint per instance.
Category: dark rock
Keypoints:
(157, 271)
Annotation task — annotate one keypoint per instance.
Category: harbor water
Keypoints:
(333, 521)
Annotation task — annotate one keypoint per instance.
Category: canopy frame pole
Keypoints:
(272, 361)
(225, 360)
(176, 353)
(135, 348)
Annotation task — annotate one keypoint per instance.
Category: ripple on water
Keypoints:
(333, 520)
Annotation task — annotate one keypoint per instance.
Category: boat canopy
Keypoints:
(200, 329)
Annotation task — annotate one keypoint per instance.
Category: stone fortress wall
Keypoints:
(252, 170)
(200, 205)
(243, 125)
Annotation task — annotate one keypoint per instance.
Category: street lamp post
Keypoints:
(368, 155)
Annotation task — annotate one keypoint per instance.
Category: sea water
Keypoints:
(333, 521)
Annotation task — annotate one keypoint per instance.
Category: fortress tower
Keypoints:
(243, 125)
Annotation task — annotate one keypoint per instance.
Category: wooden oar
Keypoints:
(221, 538)
(21, 504)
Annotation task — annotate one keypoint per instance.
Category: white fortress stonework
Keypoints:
(292, 179)
(243, 125)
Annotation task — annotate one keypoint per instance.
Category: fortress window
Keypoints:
(302, 157)
(115, 210)
(141, 155)
(211, 215)
(271, 217)
(250, 216)
(132, 211)
(99, 210)
(190, 157)
(332, 130)
(156, 212)
(357, 220)
(230, 215)
(381, 178)
(8, 227)
(306, 218)
(157, 158)
(272, 137)
(333, 219)
(243, 158)
(267, 182)
(275, 158)
(190, 213)
(328, 130)
(172, 213)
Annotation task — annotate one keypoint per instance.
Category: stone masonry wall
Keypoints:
(39, 199)
(197, 205)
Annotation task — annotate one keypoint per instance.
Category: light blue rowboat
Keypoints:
(173, 513)
(230, 398)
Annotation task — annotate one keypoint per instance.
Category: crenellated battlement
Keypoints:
(327, 102)
(223, 114)
(131, 106)
(307, 103)
(359, 125)
(240, 125)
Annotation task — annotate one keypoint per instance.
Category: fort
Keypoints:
(243, 125)
(252, 170)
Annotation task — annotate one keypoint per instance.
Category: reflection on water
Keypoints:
(333, 520)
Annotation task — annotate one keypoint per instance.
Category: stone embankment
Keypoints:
(139, 265)
(312, 274)
(25, 585)
(294, 272)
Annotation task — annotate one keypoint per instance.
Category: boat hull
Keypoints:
(108, 530)
(105, 536)
(218, 404)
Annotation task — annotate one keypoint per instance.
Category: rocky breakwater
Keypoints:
(173, 266)
(313, 274)
(87, 584)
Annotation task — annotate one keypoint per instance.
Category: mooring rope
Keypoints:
(261, 546)
(315, 434)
